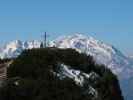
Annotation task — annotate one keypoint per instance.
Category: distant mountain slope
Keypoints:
(103, 53)
(14, 48)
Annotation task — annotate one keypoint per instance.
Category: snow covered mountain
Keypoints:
(103, 53)
(14, 48)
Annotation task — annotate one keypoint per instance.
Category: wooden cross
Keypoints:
(44, 37)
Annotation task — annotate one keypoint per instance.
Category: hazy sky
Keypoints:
(108, 20)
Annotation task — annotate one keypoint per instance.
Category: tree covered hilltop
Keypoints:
(58, 74)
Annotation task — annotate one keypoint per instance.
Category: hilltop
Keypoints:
(59, 74)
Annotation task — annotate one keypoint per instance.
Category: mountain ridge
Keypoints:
(103, 53)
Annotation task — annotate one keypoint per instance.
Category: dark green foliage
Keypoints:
(33, 71)
(46, 89)
(108, 87)
(41, 58)
(4, 60)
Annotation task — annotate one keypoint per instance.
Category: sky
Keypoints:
(108, 20)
